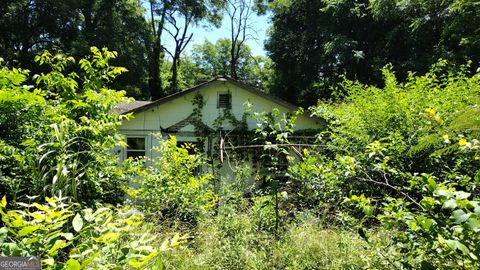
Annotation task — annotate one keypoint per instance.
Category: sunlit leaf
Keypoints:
(28, 230)
(72, 264)
(77, 222)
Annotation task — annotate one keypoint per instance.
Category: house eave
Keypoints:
(217, 80)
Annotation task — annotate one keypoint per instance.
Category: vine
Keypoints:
(201, 129)
(239, 134)
(269, 132)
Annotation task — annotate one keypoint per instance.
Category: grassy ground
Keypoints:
(239, 241)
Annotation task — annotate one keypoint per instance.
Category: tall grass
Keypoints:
(235, 240)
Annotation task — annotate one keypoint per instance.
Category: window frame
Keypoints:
(219, 99)
(129, 150)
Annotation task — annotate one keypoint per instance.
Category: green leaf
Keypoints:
(72, 264)
(77, 222)
(3, 235)
(68, 236)
(58, 245)
(450, 204)
(368, 210)
(49, 261)
(460, 195)
(3, 203)
(413, 225)
(473, 224)
(477, 209)
(455, 244)
(459, 216)
(40, 207)
(11, 249)
(443, 193)
(432, 185)
(28, 230)
(427, 224)
(32, 240)
(88, 214)
(18, 222)
(90, 259)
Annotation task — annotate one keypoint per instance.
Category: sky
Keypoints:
(200, 34)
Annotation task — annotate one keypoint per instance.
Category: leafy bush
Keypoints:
(403, 119)
(56, 136)
(407, 157)
(405, 126)
(170, 188)
(64, 236)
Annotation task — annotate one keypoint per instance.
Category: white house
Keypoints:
(200, 114)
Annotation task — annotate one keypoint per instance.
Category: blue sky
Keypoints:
(200, 34)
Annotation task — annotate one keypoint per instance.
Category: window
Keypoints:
(224, 100)
(136, 147)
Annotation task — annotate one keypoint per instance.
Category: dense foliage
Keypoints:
(209, 60)
(56, 153)
(400, 155)
(240, 236)
(391, 182)
(313, 44)
(213, 59)
(57, 136)
(66, 237)
(29, 27)
(170, 188)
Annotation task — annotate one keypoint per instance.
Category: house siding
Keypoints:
(171, 112)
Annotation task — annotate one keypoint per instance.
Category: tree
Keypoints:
(27, 28)
(180, 19)
(154, 46)
(314, 43)
(167, 12)
(214, 59)
(239, 12)
(121, 27)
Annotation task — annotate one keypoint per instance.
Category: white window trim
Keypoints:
(148, 145)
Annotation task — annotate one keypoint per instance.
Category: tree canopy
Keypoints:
(314, 44)
(213, 59)
(29, 27)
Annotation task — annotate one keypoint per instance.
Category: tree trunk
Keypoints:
(174, 69)
(155, 82)
(233, 63)
(87, 11)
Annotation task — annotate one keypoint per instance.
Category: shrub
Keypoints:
(64, 236)
(407, 157)
(170, 188)
(56, 137)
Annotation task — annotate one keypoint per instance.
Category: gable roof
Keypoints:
(220, 79)
(125, 107)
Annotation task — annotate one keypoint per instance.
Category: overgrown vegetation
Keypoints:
(57, 135)
(407, 157)
(392, 183)
(169, 188)
(64, 236)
